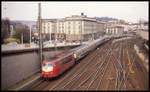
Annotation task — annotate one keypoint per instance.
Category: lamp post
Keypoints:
(30, 34)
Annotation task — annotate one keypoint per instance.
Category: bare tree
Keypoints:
(5, 29)
(22, 29)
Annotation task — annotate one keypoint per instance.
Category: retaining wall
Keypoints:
(15, 68)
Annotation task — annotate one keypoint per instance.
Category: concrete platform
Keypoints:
(15, 49)
(25, 84)
(144, 34)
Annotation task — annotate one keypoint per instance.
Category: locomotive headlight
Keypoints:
(48, 68)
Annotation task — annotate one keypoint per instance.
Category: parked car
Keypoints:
(12, 43)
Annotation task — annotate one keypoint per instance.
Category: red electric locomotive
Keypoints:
(54, 66)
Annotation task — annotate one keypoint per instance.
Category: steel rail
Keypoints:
(103, 73)
(99, 70)
(108, 62)
(119, 75)
(81, 68)
(117, 71)
(40, 82)
(89, 76)
(81, 71)
(133, 58)
(96, 72)
(123, 64)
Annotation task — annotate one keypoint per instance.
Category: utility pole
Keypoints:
(22, 37)
(81, 33)
(55, 42)
(40, 36)
(92, 32)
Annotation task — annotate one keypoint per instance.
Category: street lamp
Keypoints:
(30, 34)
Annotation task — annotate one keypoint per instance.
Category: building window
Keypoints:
(69, 32)
(79, 22)
(68, 27)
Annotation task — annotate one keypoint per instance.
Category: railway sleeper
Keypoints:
(138, 66)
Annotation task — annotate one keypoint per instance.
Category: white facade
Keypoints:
(115, 30)
(73, 28)
(48, 27)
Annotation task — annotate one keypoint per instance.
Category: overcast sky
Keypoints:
(129, 11)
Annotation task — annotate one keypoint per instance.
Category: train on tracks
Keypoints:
(54, 66)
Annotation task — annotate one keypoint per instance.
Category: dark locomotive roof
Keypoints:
(51, 58)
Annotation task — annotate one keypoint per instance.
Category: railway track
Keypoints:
(92, 77)
(112, 66)
(84, 61)
(82, 72)
(117, 63)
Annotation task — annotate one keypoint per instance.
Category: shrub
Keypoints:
(12, 40)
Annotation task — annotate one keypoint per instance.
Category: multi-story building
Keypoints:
(48, 29)
(115, 30)
(115, 27)
(60, 29)
(76, 27)
(82, 28)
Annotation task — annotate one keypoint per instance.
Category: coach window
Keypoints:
(66, 60)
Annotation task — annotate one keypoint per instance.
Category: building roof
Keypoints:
(116, 26)
(49, 20)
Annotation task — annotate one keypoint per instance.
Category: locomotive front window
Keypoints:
(44, 64)
(50, 64)
(47, 64)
